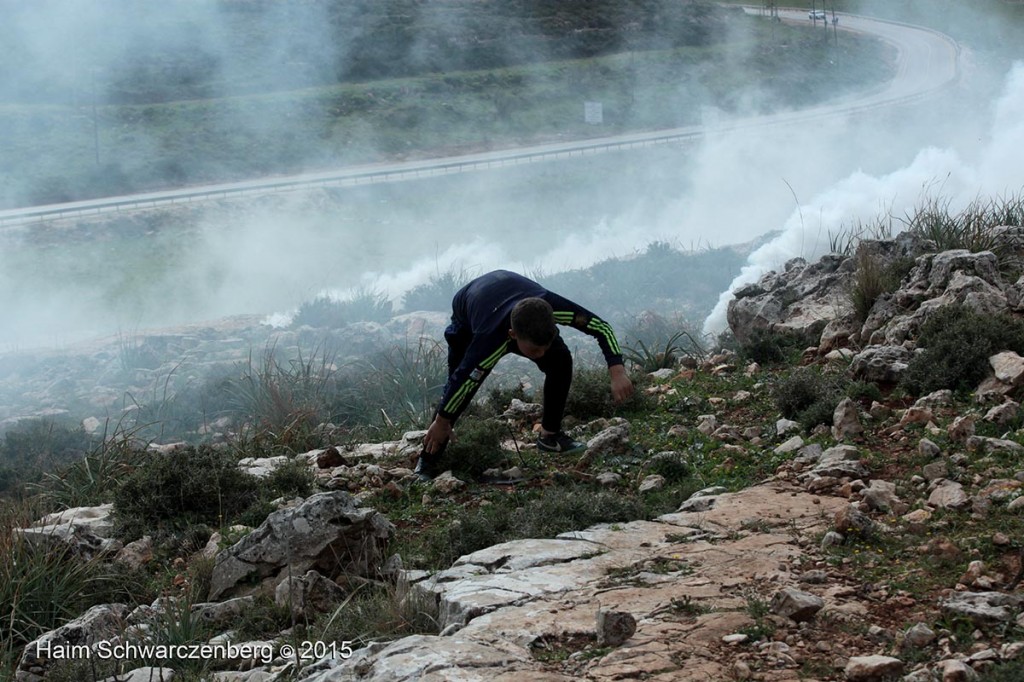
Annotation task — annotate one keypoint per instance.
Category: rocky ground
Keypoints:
(881, 545)
(883, 548)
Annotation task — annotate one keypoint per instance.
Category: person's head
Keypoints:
(533, 326)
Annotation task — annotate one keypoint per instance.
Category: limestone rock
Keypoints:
(880, 364)
(846, 420)
(796, 605)
(873, 668)
(308, 595)
(327, 532)
(982, 608)
(98, 624)
(949, 495)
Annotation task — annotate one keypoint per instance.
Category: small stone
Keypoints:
(832, 539)
(918, 636)
(737, 638)
(928, 448)
(652, 482)
(872, 668)
(796, 605)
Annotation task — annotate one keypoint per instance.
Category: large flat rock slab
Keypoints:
(686, 579)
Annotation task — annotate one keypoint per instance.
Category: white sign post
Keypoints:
(593, 113)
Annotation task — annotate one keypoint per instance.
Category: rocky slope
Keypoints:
(883, 545)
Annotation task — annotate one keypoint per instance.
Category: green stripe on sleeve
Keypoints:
(605, 330)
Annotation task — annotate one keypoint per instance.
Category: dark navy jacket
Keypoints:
(481, 317)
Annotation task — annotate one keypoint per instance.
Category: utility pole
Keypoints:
(95, 120)
(835, 22)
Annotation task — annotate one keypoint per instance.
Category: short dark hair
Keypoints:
(533, 320)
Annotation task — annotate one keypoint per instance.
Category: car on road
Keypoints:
(816, 14)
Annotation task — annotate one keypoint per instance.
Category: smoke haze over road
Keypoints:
(267, 256)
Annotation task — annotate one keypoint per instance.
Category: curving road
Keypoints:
(927, 62)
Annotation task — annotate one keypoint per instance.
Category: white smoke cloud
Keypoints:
(862, 198)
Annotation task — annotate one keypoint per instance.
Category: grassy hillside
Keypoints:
(88, 142)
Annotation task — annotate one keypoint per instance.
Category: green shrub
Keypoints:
(292, 479)
(562, 509)
(864, 391)
(808, 396)
(483, 527)
(1009, 671)
(188, 486)
(37, 445)
(769, 347)
(672, 465)
(590, 395)
(476, 447)
(957, 342)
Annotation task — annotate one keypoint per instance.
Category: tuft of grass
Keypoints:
(654, 342)
(873, 278)
(93, 479)
(437, 293)
(845, 241)
(365, 305)
(970, 228)
(42, 586)
(377, 611)
(284, 399)
(666, 354)
(400, 384)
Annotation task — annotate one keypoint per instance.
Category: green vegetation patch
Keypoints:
(185, 487)
(957, 342)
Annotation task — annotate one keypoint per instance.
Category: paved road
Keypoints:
(927, 62)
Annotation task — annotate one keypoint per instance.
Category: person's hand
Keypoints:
(622, 387)
(439, 432)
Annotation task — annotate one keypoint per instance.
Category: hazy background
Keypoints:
(66, 61)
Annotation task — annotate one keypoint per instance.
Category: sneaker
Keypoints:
(559, 442)
(426, 467)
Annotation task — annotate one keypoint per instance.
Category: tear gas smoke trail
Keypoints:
(862, 198)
